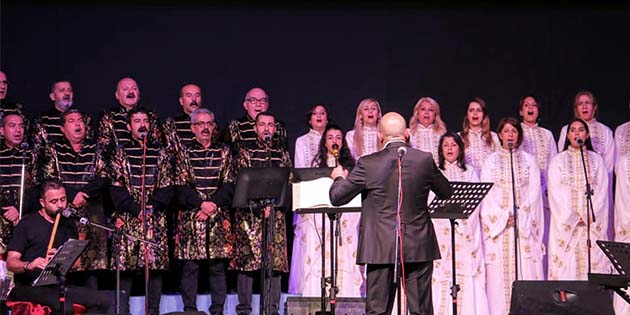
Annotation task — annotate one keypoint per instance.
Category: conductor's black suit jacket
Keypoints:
(376, 177)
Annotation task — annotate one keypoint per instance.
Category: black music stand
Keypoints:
(465, 199)
(55, 271)
(619, 255)
(257, 188)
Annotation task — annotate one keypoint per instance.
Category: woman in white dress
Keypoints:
(468, 245)
(349, 276)
(426, 126)
(498, 220)
(306, 148)
(479, 140)
(622, 198)
(540, 143)
(362, 139)
(568, 253)
(307, 145)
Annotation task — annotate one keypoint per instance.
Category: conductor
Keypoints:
(376, 177)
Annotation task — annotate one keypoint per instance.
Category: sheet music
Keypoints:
(314, 194)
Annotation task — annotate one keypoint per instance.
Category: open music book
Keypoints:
(314, 194)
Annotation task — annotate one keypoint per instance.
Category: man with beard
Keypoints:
(134, 185)
(203, 235)
(189, 99)
(73, 160)
(11, 151)
(242, 133)
(112, 125)
(47, 127)
(7, 107)
(247, 257)
(28, 256)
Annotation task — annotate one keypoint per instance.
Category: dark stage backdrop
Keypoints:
(335, 56)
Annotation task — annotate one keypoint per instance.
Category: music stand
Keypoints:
(57, 268)
(260, 188)
(465, 199)
(619, 255)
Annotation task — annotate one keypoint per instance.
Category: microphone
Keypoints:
(24, 145)
(510, 145)
(579, 141)
(267, 139)
(335, 150)
(68, 213)
(143, 135)
(402, 151)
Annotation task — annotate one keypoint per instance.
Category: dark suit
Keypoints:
(376, 177)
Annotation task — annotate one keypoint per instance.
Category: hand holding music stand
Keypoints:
(260, 188)
(619, 255)
(57, 268)
(465, 199)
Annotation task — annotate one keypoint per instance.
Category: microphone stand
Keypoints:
(143, 206)
(515, 212)
(23, 146)
(589, 206)
(266, 268)
(398, 240)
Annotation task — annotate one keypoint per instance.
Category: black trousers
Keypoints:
(189, 284)
(381, 290)
(96, 302)
(155, 291)
(244, 284)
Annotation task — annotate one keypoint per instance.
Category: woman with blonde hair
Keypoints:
(479, 140)
(426, 126)
(362, 140)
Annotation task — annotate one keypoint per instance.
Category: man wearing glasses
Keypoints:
(240, 132)
(202, 234)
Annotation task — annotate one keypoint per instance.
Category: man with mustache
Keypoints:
(47, 127)
(190, 99)
(12, 131)
(242, 133)
(7, 107)
(202, 236)
(162, 174)
(247, 256)
(73, 160)
(28, 256)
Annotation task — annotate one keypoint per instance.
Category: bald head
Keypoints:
(392, 126)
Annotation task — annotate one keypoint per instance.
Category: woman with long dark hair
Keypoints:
(478, 139)
(568, 204)
(306, 264)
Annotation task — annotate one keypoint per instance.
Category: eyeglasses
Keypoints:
(257, 100)
(204, 123)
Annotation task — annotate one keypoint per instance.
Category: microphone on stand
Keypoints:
(579, 141)
(402, 151)
(510, 145)
(267, 139)
(71, 214)
(24, 145)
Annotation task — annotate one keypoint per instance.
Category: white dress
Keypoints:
(306, 149)
(568, 258)
(477, 150)
(622, 199)
(370, 142)
(498, 239)
(425, 139)
(469, 258)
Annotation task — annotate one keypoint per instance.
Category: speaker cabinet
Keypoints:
(310, 305)
(559, 298)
